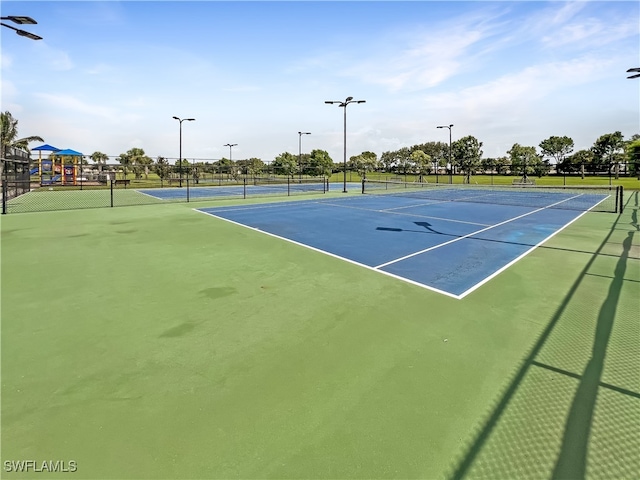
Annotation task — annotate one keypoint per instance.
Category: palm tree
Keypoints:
(9, 139)
(100, 158)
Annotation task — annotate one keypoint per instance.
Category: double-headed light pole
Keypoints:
(344, 104)
(450, 164)
(180, 154)
(300, 152)
(21, 20)
(230, 145)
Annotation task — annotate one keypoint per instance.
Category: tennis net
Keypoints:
(583, 198)
(318, 184)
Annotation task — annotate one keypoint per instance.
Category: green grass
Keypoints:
(158, 342)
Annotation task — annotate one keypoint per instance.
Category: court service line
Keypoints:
(423, 204)
(471, 234)
(388, 210)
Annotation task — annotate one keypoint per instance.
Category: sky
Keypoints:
(109, 76)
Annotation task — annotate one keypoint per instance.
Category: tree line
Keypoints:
(316, 163)
(607, 154)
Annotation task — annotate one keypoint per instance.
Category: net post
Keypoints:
(4, 198)
(362, 191)
(187, 179)
(288, 186)
(621, 205)
(244, 188)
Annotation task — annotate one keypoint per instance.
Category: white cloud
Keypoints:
(591, 32)
(53, 58)
(427, 58)
(6, 61)
(566, 12)
(520, 89)
(67, 104)
(585, 25)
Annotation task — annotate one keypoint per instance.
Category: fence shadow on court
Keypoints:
(428, 229)
(543, 424)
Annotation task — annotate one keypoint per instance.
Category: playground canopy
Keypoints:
(45, 148)
(69, 153)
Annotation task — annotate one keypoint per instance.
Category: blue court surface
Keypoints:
(451, 247)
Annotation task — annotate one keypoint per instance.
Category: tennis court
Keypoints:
(191, 347)
(449, 240)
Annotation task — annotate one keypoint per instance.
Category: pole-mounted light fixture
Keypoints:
(180, 154)
(344, 104)
(300, 152)
(21, 20)
(230, 145)
(450, 164)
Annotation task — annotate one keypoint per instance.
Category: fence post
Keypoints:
(111, 188)
(244, 188)
(4, 197)
(187, 189)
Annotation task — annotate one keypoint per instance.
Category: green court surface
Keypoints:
(157, 342)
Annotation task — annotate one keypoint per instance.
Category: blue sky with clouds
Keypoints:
(110, 76)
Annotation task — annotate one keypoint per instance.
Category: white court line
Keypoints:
(329, 203)
(424, 204)
(149, 195)
(472, 234)
(389, 211)
(333, 255)
(407, 280)
(502, 269)
(258, 206)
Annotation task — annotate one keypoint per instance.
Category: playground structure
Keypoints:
(63, 168)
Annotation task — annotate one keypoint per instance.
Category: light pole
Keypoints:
(344, 105)
(300, 152)
(21, 20)
(230, 145)
(450, 165)
(180, 154)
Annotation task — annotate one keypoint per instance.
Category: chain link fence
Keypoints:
(107, 192)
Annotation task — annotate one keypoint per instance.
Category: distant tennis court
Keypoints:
(449, 240)
(255, 187)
